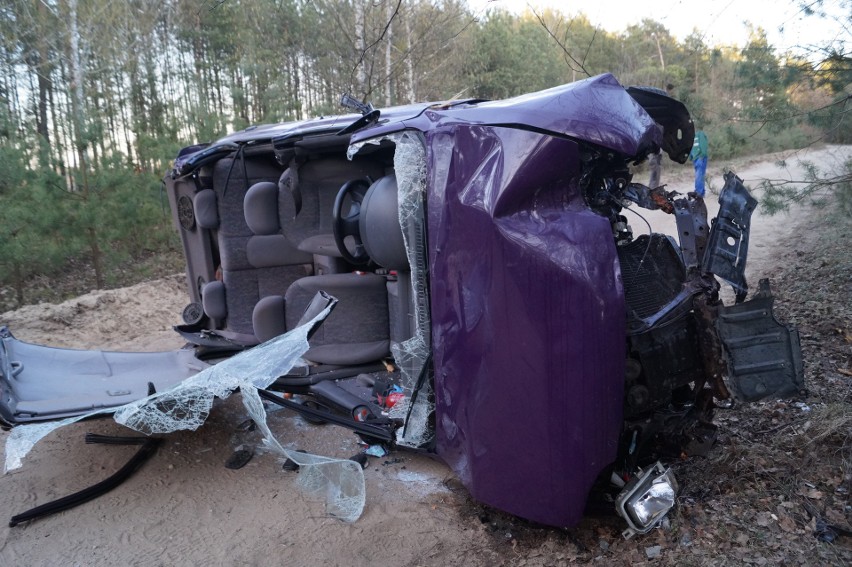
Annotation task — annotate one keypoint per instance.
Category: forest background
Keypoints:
(98, 96)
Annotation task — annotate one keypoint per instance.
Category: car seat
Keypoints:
(356, 332)
(307, 195)
(254, 263)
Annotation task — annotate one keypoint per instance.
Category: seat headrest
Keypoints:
(379, 225)
(206, 211)
(261, 208)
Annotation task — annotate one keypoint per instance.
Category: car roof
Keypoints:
(597, 110)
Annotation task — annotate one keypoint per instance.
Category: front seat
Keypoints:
(306, 198)
(356, 332)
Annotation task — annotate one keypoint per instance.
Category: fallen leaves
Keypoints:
(810, 491)
(787, 524)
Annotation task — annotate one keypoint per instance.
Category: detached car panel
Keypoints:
(40, 383)
(764, 356)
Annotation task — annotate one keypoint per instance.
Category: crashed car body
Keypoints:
(485, 272)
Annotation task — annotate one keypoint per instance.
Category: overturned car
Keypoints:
(492, 303)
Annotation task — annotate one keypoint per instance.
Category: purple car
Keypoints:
(492, 303)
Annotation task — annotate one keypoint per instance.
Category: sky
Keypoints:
(722, 22)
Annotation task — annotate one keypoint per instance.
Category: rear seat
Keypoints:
(253, 264)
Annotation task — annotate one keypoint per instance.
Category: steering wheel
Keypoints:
(348, 225)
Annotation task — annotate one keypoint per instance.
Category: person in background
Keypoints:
(698, 155)
(655, 162)
(654, 166)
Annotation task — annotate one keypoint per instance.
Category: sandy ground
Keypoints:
(185, 508)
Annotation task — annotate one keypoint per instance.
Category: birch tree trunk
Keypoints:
(409, 64)
(389, 12)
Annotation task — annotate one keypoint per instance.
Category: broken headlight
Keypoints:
(646, 499)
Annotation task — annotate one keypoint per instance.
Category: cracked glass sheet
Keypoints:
(410, 355)
(340, 482)
(187, 405)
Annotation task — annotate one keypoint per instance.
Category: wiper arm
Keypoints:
(369, 115)
(352, 103)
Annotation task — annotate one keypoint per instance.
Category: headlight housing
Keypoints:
(646, 499)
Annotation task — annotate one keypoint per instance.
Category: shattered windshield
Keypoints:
(187, 405)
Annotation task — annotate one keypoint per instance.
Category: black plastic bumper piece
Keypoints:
(764, 356)
(148, 448)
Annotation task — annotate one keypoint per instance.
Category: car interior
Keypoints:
(267, 228)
